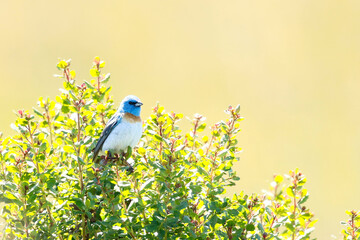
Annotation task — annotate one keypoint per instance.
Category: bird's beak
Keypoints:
(138, 104)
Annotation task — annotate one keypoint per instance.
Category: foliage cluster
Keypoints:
(53, 190)
(352, 226)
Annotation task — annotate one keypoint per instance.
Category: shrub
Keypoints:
(53, 190)
(352, 226)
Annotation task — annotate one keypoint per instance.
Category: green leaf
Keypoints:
(290, 192)
(106, 78)
(88, 85)
(68, 149)
(43, 147)
(124, 184)
(102, 64)
(12, 169)
(250, 227)
(79, 203)
(223, 152)
(9, 197)
(65, 109)
(72, 74)
(94, 72)
(182, 205)
(236, 178)
(23, 122)
(304, 199)
(50, 183)
(62, 64)
(146, 184)
(38, 113)
(279, 179)
(202, 171)
(261, 228)
(237, 109)
(290, 227)
(201, 127)
(157, 137)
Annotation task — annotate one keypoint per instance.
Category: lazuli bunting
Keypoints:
(123, 130)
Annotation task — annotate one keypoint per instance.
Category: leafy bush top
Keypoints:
(53, 190)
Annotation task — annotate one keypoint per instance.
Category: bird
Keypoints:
(123, 130)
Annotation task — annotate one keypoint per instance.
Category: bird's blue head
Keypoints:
(131, 104)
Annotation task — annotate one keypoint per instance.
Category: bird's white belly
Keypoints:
(124, 135)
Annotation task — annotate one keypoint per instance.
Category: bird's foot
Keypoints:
(114, 159)
(121, 157)
(110, 158)
(108, 155)
(103, 160)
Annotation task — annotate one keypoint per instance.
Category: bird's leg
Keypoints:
(122, 157)
(108, 157)
(117, 157)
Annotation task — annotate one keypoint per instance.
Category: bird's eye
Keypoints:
(132, 103)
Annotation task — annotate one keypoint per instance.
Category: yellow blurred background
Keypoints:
(292, 65)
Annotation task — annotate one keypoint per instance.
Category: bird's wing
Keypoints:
(113, 122)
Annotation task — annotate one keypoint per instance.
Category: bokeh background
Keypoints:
(292, 65)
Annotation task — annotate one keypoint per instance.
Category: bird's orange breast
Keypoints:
(132, 118)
